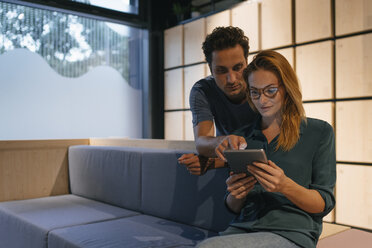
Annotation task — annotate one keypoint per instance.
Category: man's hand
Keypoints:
(196, 165)
(231, 141)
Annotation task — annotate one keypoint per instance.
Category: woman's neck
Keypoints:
(270, 127)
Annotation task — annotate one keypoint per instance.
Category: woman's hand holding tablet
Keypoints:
(238, 160)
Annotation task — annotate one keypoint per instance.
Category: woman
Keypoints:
(283, 203)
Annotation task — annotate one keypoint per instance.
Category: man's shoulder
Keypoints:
(208, 88)
(205, 83)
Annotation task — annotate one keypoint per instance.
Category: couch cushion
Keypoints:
(133, 232)
(26, 223)
(107, 174)
(170, 192)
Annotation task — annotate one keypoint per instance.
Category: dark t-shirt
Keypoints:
(208, 102)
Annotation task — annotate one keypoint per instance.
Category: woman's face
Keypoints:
(266, 93)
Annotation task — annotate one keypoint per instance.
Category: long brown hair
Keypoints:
(292, 111)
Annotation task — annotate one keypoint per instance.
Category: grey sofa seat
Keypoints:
(140, 231)
(26, 223)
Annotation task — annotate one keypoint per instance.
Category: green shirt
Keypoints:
(310, 163)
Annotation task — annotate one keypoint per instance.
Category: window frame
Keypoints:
(89, 11)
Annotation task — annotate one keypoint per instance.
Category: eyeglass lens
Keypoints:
(267, 91)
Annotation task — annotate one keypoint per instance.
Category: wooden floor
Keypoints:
(338, 236)
(352, 238)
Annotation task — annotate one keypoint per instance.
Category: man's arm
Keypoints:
(210, 146)
(204, 131)
(205, 141)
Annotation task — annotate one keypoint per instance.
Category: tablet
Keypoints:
(238, 160)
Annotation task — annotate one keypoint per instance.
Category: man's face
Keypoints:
(227, 69)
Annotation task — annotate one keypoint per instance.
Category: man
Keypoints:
(219, 100)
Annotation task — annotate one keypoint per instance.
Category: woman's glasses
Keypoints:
(268, 91)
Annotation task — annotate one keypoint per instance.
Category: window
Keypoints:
(75, 48)
(70, 44)
(127, 6)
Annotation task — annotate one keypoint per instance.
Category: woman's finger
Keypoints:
(241, 183)
(235, 177)
(245, 192)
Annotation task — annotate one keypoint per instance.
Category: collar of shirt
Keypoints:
(258, 140)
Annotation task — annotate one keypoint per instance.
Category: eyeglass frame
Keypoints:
(262, 91)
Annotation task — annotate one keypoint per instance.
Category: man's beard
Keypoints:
(238, 98)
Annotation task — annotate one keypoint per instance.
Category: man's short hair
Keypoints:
(222, 38)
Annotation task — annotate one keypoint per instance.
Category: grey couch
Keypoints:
(121, 197)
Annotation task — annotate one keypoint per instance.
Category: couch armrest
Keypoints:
(34, 168)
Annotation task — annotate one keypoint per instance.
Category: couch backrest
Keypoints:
(107, 174)
(150, 181)
(171, 192)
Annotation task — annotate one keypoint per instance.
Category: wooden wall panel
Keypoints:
(189, 130)
(314, 67)
(207, 71)
(353, 131)
(354, 66)
(173, 125)
(250, 57)
(173, 89)
(353, 195)
(173, 47)
(218, 20)
(192, 74)
(330, 217)
(353, 16)
(194, 36)
(313, 20)
(246, 17)
(276, 23)
(330, 229)
(288, 53)
(34, 168)
(320, 110)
